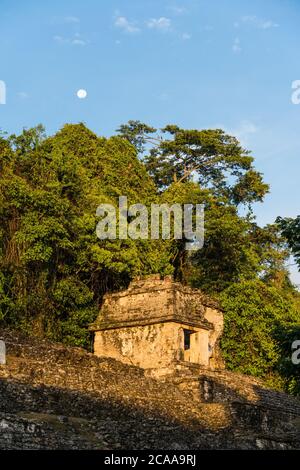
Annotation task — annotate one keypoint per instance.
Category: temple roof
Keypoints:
(152, 300)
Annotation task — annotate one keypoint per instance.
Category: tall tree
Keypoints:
(290, 229)
(53, 268)
(211, 157)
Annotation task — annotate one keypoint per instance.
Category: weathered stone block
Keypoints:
(157, 323)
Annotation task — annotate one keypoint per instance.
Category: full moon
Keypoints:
(82, 94)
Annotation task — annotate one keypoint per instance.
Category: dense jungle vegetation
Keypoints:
(54, 270)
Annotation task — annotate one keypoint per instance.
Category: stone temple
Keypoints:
(159, 325)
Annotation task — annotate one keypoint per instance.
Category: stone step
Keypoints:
(197, 408)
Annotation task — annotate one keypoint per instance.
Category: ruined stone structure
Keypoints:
(159, 325)
(58, 397)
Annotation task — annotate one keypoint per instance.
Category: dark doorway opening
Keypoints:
(187, 339)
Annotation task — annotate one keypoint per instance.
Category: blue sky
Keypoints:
(196, 63)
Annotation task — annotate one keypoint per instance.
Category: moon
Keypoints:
(81, 94)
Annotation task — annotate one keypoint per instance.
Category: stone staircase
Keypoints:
(224, 386)
(57, 397)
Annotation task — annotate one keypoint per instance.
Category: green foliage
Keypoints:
(212, 168)
(215, 158)
(255, 316)
(229, 255)
(53, 269)
(291, 231)
(137, 133)
(288, 370)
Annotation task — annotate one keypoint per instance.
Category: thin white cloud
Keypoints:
(186, 36)
(23, 95)
(125, 25)
(236, 47)
(208, 27)
(65, 20)
(177, 10)
(71, 19)
(77, 40)
(243, 131)
(163, 96)
(256, 22)
(161, 24)
(245, 128)
(59, 39)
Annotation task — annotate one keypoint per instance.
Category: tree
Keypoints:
(212, 168)
(53, 268)
(290, 229)
(138, 134)
(287, 337)
(212, 157)
(255, 316)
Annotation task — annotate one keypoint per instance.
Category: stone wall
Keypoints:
(143, 325)
(156, 345)
(54, 397)
(159, 345)
(154, 300)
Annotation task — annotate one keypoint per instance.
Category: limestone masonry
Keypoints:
(159, 383)
(159, 325)
(57, 397)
